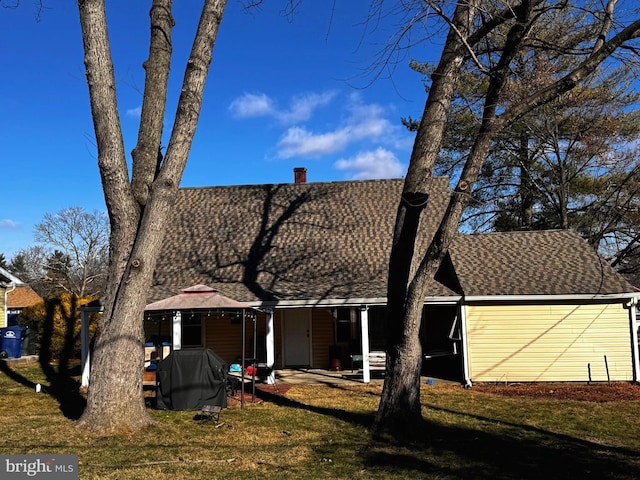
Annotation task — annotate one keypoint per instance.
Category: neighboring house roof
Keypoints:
(299, 242)
(327, 243)
(551, 262)
(23, 296)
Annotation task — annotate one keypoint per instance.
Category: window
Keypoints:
(377, 328)
(345, 327)
(191, 330)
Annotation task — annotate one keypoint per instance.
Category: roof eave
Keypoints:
(341, 302)
(356, 302)
(548, 297)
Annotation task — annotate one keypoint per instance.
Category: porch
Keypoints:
(318, 376)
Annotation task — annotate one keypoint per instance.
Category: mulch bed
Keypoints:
(595, 392)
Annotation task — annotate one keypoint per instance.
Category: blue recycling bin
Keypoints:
(11, 339)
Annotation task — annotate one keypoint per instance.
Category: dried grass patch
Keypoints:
(321, 432)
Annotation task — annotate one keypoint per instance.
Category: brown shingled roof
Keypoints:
(23, 296)
(287, 242)
(313, 242)
(552, 262)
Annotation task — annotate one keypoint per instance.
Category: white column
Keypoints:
(364, 331)
(634, 339)
(177, 330)
(270, 339)
(85, 352)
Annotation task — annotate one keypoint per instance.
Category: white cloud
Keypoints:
(7, 223)
(363, 122)
(301, 107)
(380, 163)
(299, 142)
(251, 105)
(134, 112)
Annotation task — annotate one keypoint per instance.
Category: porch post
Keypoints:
(177, 330)
(84, 343)
(364, 327)
(270, 340)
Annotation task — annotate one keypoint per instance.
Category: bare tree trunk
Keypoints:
(400, 403)
(399, 410)
(138, 210)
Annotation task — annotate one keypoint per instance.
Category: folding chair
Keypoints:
(210, 413)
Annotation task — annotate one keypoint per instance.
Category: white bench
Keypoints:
(377, 360)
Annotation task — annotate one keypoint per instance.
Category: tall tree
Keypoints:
(29, 265)
(569, 164)
(71, 255)
(547, 170)
(83, 239)
(139, 207)
(58, 269)
(475, 29)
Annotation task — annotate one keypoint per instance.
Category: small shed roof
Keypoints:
(196, 297)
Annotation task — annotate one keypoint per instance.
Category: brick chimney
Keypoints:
(300, 175)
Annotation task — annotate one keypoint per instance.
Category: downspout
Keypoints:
(465, 347)
(6, 304)
(633, 322)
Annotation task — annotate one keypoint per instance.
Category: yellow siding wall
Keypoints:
(322, 339)
(526, 343)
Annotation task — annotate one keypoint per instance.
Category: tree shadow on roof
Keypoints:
(280, 243)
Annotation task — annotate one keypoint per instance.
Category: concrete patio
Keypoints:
(318, 377)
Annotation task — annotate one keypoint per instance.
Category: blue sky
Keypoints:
(283, 92)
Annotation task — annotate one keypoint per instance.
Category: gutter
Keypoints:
(546, 298)
(449, 300)
(342, 302)
(12, 286)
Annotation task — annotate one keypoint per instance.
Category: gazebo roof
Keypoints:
(196, 297)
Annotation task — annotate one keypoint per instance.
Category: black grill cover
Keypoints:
(189, 379)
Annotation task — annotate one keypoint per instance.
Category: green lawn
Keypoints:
(321, 432)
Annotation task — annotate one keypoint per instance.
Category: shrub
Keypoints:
(58, 325)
